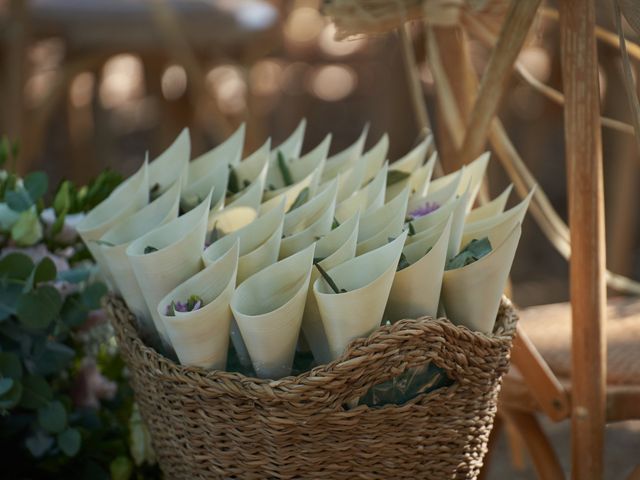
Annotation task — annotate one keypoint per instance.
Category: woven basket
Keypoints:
(225, 425)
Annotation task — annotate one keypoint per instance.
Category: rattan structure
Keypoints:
(225, 425)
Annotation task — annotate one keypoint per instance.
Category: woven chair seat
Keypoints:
(549, 328)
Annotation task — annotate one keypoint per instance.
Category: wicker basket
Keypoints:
(225, 425)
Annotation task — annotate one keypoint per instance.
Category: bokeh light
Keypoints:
(330, 46)
(333, 82)
(122, 80)
(303, 25)
(174, 82)
(265, 77)
(229, 88)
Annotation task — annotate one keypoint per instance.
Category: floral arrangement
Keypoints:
(66, 408)
(300, 252)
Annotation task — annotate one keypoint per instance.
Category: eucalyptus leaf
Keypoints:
(62, 199)
(45, 271)
(39, 443)
(53, 358)
(38, 308)
(18, 200)
(472, 252)
(36, 392)
(10, 365)
(10, 293)
(121, 468)
(74, 312)
(17, 266)
(284, 169)
(92, 295)
(11, 398)
(6, 384)
(75, 275)
(52, 417)
(69, 442)
(28, 229)
(396, 176)
(36, 184)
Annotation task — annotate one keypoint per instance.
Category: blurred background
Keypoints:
(91, 84)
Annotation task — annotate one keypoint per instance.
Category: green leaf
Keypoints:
(10, 293)
(329, 280)
(6, 384)
(53, 417)
(75, 275)
(302, 197)
(284, 169)
(121, 468)
(74, 312)
(233, 186)
(38, 308)
(403, 262)
(36, 392)
(69, 442)
(39, 443)
(12, 397)
(62, 199)
(149, 249)
(17, 266)
(45, 271)
(472, 252)
(18, 200)
(28, 229)
(10, 365)
(335, 223)
(92, 295)
(395, 176)
(36, 183)
(54, 358)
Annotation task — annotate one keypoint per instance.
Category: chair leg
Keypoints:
(543, 456)
(498, 426)
(516, 446)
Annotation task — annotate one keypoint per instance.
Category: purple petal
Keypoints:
(197, 305)
(426, 209)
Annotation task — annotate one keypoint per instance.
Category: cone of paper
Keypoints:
(229, 220)
(268, 307)
(299, 169)
(420, 178)
(365, 199)
(319, 227)
(336, 247)
(363, 170)
(170, 165)
(115, 241)
(201, 337)
(379, 225)
(259, 243)
(472, 177)
(227, 153)
(408, 164)
(471, 294)
(252, 195)
(341, 161)
(358, 311)
(292, 146)
(416, 289)
(498, 226)
(438, 197)
(251, 177)
(494, 207)
(178, 256)
(302, 217)
(217, 178)
(128, 198)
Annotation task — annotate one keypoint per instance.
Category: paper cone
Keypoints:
(128, 198)
(365, 199)
(416, 289)
(441, 195)
(252, 169)
(268, 308)
(494, 207)
(336, 247)
(259, 244)
(363, 170)
(179, 243)
(300, 168)
(420, 178)
(410, 163)
(341, 161)
(359, 311)
(229, 220)
(289, 194)
(201, 337)
(292, 146)
(498, 226)
(227, 153)
(471, 294)
(316, 230)
(252, 195)
(472, 177)
(379, 225)
(114, 243)
(302, 217)
(168, 167)
(217, 178)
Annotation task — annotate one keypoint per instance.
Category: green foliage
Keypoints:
(472, 252)
(302, 197)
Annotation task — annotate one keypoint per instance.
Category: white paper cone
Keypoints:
(363, 170)
(252, 195)
(379, 225)
(292, 146)
(416, 289)
(343, 160)
(289, 194)
(420, 178)
(268, 308)
(302, 217)
(359, 311)
(365, 199)
(227, 153)
(201, 337)
(128, 198)
(410, 163)
(300, 168)
(168, 167)
(259, 244)
(471, 294)
(441, 195)
(230, 219)
(157, 213)
(179, 256)
(336, 247)
(316, 230)
(498, 226)
(252, 169)
(494, 207)
(472, 177)
(217, 177)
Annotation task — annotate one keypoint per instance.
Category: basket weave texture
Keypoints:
(226, 425)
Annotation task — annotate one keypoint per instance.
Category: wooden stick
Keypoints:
(496, 76)
(583, 145)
